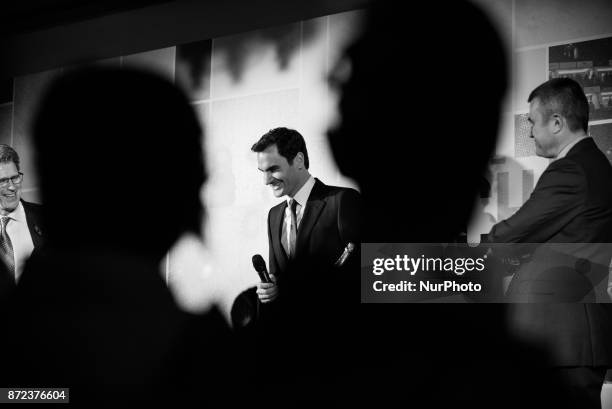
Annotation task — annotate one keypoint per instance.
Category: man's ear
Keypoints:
(299, 160)
(558, 123)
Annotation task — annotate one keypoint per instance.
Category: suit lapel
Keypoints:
(276, 230)
(33, 222)
(313, 209)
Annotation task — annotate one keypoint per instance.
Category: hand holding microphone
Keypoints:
(260, 266)
(267, 290)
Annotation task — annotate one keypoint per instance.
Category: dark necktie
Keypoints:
(6, 248)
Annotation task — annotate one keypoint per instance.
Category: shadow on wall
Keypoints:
(284, 40)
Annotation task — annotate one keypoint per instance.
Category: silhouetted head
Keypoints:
(283, 159)
(119, 154)
(244, 309)
(558, 112)
(419, 116)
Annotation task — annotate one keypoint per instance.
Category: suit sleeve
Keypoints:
(610, 281)
(274, 268)
(554, 202)
(349, 216)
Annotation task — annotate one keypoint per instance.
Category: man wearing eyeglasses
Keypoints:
(20, 233)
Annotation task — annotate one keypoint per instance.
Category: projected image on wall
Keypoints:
(602, 134)
(589, 63)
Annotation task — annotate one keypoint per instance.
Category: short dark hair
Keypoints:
(8, 154)
(288, 142)
(566, 97)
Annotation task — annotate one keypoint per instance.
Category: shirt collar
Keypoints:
(18, 214)
(302, 195)
(569, 146)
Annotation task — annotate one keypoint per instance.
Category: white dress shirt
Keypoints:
(17, 229)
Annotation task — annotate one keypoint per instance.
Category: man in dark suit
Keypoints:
(307, 234)
(20, 232)
(570, 210)
(315, 223)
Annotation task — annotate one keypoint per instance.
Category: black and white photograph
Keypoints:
(324, 203)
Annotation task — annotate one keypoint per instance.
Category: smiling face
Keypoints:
(283, 178)
(10, 194)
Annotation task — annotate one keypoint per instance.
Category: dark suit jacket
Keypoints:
(571, 206)
(7, 281)
(330, 221)
(33, 219)
(316, 300)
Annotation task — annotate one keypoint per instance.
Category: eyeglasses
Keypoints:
(17, 179)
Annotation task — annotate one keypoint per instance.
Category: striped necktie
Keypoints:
(6, 248)
(293, 228)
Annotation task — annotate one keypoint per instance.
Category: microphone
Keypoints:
(345, 254)
(260, 266)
